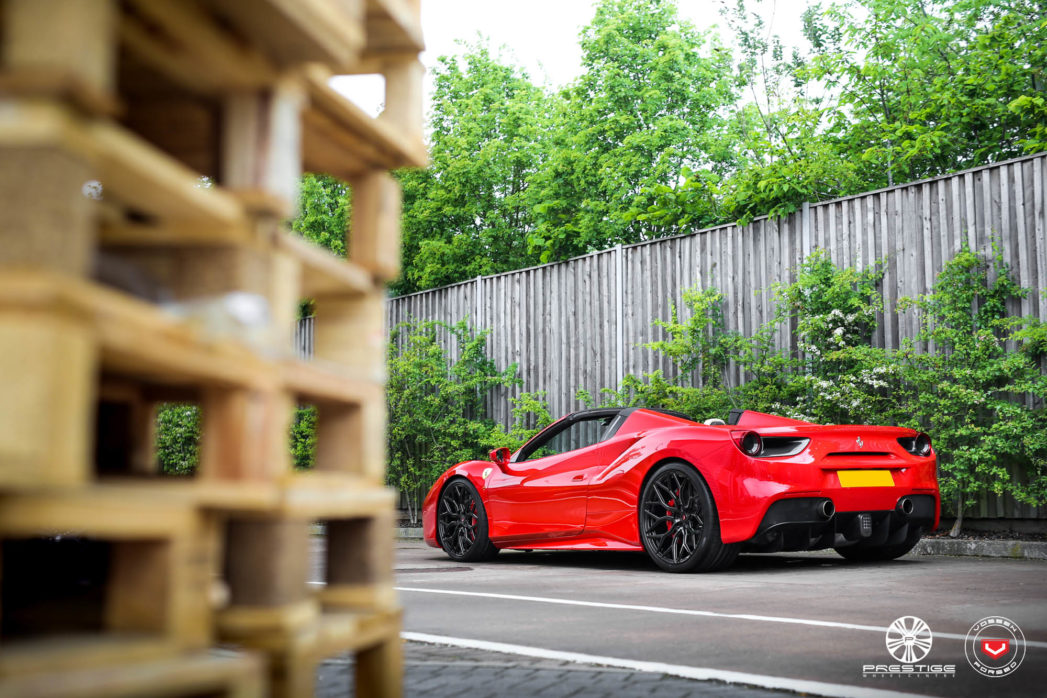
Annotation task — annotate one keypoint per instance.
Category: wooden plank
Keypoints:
(220, 673)
(334, 495)
(393, 26)
(135, 337)
(98, 511)
(183, 42)
(374, 236)
(379, 669)
(970, 200)
(320, 381)
(60, 85)
(323, 274)
(266, 565)
(149, 181)
(360, 563)
(45, 220)
(340, 139)
(293, 32)
(39, 664)
(69, 37)
(261, 139)
(237, 435)
(1025, 261)
(403, 99)
(133, 173)
(1040, 231)
(48, 374)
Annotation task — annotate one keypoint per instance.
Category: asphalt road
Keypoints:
(773, 619)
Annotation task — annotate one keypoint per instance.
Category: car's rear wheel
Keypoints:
(461, 523)
(679, 526)
(880, 553)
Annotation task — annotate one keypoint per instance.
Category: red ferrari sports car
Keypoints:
(691, 495)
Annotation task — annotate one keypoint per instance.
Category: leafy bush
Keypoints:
(436, 402)
(982, 401)
(303, 438)
(178, 438)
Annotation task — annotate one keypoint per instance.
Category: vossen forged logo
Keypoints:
(995, 646)
(909, 640)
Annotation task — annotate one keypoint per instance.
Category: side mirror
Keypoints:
(500, 456)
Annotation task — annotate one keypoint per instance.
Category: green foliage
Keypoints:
(930, 86)
(303, 438)
(971, 391)
(178, 438)
(530, 416)
(436, 402)
(324, 210)
(468, 213)
(648, 108)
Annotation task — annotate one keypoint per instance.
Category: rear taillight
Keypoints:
(919, 445)
(748, 442)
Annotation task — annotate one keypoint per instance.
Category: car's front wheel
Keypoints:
(461, 523)
(679, 526)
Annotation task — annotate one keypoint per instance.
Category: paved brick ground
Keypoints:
(435, 671)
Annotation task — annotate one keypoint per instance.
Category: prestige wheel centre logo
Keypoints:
(995, 646)
(908, 641)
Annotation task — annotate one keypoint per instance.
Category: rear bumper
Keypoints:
(806, 523)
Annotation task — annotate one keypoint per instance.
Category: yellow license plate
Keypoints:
(865, 478)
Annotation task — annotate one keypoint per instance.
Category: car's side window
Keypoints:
(584, 432)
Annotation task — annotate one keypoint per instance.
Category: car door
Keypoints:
(542, 493)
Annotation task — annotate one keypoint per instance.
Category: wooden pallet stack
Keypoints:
(150, 152)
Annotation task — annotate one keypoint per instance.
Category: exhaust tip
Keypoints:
(906, 506)
(826, 508)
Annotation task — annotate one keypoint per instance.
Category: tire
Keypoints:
(880, 553)
(461, 523)
(675, 497)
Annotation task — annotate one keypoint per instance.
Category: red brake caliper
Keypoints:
(669, 523)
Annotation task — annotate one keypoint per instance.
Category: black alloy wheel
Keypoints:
(679, 527)
(461, 523)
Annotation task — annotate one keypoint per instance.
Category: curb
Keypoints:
(1016, 549)
(409, 534)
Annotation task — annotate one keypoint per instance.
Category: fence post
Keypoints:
(805, 225)
(619, 303)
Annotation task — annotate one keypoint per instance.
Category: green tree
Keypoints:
(929, 86)
(467, 214)
(324, 210)
(648, 107)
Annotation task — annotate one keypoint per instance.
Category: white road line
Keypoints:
(814, 688)
(684, 612)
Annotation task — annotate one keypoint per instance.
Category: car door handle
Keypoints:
(576, 478)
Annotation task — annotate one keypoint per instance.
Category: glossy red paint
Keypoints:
(587, 498)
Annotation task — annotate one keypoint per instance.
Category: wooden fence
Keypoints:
(583, 323)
